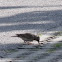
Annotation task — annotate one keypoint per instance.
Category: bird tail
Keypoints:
(17, 35)
(14, 36)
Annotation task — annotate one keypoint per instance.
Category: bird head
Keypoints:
(39, 36)
(38, 39)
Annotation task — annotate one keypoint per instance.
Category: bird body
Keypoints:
(28, 37)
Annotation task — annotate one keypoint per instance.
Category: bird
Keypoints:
(28, 37)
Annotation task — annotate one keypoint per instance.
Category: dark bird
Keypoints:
(28, 37)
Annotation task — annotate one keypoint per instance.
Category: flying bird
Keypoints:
(28, 37)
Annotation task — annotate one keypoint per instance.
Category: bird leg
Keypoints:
(29, 43)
